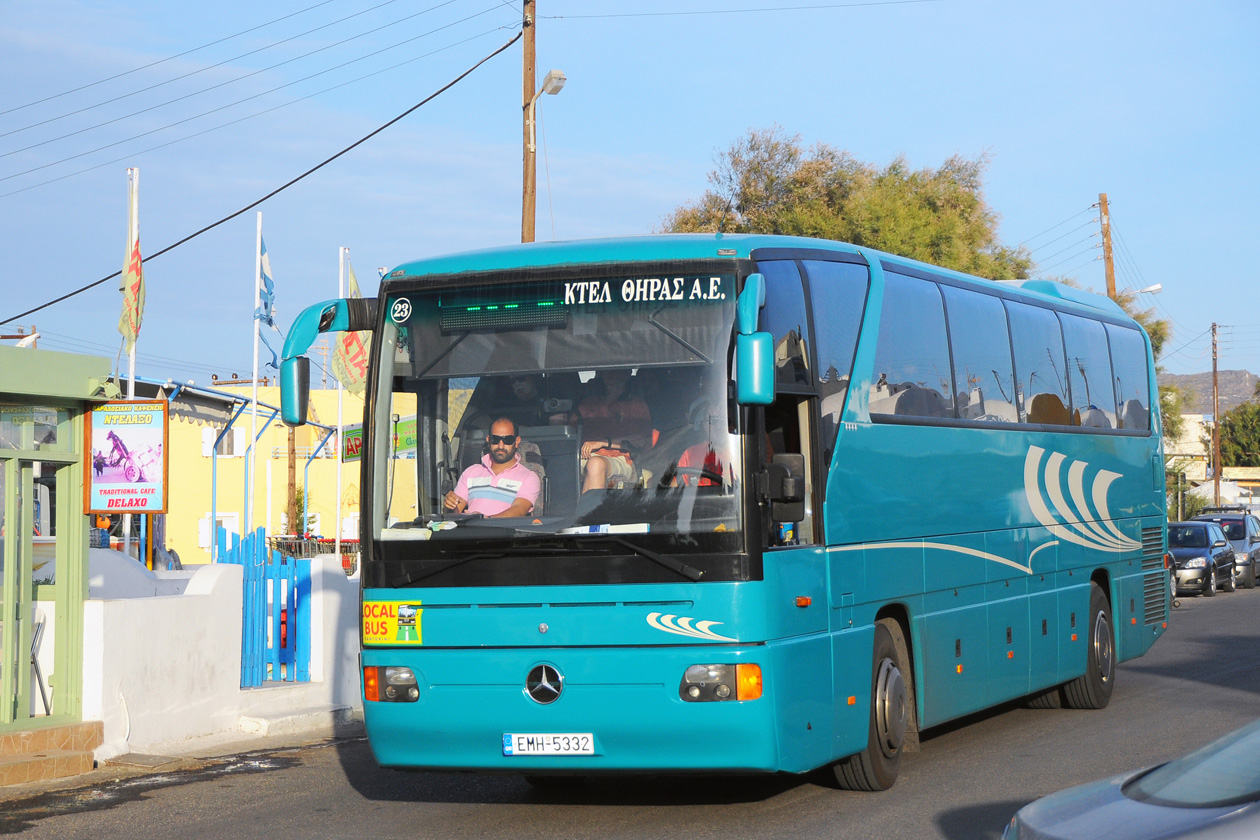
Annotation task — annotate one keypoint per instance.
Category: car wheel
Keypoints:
(1092, 690)
(1210, 589)
(1231, 584)
(892, 716)
(1249, 581)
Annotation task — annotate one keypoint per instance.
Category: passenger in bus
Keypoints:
(501, 485)
(616, 423)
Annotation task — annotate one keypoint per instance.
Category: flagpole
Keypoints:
(342, 254)
(253, 408)
(133, 232)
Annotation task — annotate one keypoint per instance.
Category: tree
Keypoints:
(1240, 433)
(767, 182)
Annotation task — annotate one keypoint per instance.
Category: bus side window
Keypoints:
(1128, 363)
(911, 352)
(1041, 388)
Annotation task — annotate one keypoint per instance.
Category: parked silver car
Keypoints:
(1214, 792)
(1242, 529)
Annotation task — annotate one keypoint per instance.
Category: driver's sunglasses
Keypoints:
(501, 439)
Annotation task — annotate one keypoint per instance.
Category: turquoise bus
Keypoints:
(857, 496)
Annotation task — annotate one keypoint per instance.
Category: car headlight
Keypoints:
(1196, 563)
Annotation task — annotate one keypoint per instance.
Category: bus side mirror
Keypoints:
(295, 390)
(785, 480)
(754, 374)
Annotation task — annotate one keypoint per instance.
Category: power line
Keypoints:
(240, 79)
(1061, 236)
(224, 107)
(742, 11)
(220, 126)
(1073, 217)
(163, 60)
(283, 187)
(211, 67)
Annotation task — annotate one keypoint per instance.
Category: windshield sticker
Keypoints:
(400, 311)
(391, 623)
(644, 289)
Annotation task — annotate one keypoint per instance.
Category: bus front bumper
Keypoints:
(627, 700)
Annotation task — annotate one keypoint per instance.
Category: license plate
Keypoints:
(540, 743)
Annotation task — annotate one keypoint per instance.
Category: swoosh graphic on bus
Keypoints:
(682, 626)
(1084, 521)
(955, 549)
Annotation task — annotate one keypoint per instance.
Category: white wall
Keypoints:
(163, 673)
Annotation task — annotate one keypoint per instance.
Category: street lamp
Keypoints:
(552, 84)
(1152, 290)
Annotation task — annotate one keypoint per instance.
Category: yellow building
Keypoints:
(192, 474)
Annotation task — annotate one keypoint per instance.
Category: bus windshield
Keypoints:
(572, 430)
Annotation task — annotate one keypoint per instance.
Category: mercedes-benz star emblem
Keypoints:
(544, 684)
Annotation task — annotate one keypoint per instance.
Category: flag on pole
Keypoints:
(265, 313)
(351, 357)
(132, 289)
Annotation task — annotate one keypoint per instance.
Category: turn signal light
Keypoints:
(372, 683)
(748, 681)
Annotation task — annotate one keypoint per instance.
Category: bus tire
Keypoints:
(1051, 699)
(1092, 690)
(892, 719)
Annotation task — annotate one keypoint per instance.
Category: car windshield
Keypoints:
(580, 418)
(1222, 774)
(1187, 536)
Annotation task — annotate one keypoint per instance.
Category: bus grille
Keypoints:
(1154, 576)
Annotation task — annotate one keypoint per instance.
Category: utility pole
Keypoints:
(1216, 429)
(294, 527)
(529, 178)
(1105, 217)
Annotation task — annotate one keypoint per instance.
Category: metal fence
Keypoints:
(276, 618)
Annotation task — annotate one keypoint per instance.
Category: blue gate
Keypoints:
(276, 618)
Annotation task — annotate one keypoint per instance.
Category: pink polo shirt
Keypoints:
(489, 492)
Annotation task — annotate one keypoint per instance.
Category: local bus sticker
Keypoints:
(391, 623)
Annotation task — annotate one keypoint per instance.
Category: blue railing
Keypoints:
(276, 617)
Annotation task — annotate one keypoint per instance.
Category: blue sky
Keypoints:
(1154, 103)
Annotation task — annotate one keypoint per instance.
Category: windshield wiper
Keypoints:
(671, 563)
(516, 551)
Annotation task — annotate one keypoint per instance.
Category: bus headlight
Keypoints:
(390, 684)
(708, 683)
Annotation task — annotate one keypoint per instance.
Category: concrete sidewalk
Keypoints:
(206, 755)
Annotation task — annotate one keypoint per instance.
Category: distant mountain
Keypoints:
(1233, 388)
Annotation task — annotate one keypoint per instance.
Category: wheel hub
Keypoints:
(1102, 646)
(890, 708)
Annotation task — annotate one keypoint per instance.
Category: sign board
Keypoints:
(405, 437)
(352, 443)
(125, 452)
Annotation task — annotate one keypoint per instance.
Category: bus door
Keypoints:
(794, 560)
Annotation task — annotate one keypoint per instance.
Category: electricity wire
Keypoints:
(212, 67)
(220, 126)
(741, 11)
(163, 60)
(221, 107)
(284, 186)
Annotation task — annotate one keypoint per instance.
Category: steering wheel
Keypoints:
(701, 472)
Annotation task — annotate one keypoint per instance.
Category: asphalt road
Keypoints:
(1201, 680)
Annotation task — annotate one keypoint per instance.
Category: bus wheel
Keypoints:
(1092, 690)
(1052, 699)
(892, 721)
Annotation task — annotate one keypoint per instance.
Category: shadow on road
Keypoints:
(977, 822)
(378, 784)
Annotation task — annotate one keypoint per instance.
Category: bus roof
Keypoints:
(707, 246)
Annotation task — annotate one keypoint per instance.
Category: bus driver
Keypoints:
(501, 485)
